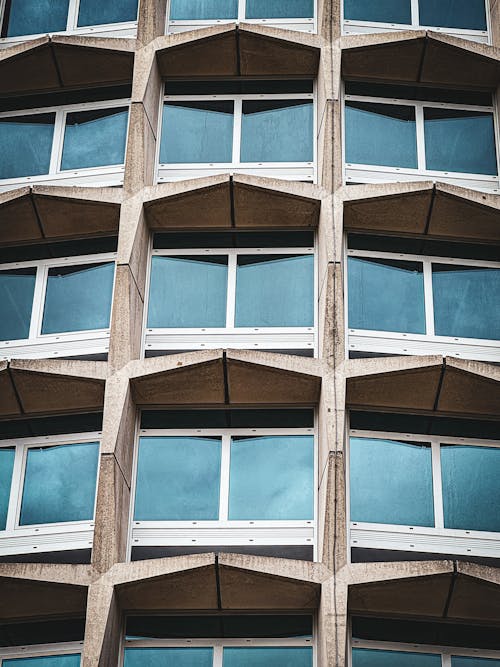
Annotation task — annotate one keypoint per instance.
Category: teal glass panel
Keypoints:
(463, 14)
(178, 479)
(466, 301)
(472, 661)
(391, 482)
(277, 131)
(78, 298)
(168, 657)
(382, 11)
(277, 9)
(272, 478)
(386, 295)
(471, 487)
(16, 301)
(7, 455)
(380, 134)
(364, 657)
(26, 143)
(99, 12)
(72, 660)
(197, 132)
(60, 484)
(460, 141)
(188, 292)
(199, 10)
(275, 291)
(95, 138)
(275, 656)
(33, 17)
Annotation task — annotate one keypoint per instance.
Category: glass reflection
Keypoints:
(99, 12)
(462, 14)
(33, 17)
(277, 9)
(275, 656)
(7, 455)
(26, 145)
(199, 10)
(382, 11)
(72, 660)
(17, 287)
(363, 657)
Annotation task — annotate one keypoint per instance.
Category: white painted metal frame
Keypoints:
(90, 176)
(362, 173)
(293, 171)
(352, 27)
(224, 532)
(230, 336)
(39, 650)
(436, 539)
(48, 537)
(386, 342)
(302, 24)
(124, 29)
(445, 651)
(63, 344)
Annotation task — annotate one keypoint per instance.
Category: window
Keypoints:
(430, 494)
(252, 132)
(401, 140)
(465, 18)
(74, 144)
(252, 297)
(57, 307)
(410, 304)
(367, 653)
(47, 493)
(23, 18)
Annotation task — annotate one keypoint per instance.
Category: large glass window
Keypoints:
(66, 660)
(26, 144)
(367, 653)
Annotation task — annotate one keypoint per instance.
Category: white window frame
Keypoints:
(363, 173)
(302, 24)
(260, 338)
(63, 344)
(386, 342)
(111, 175)
(421, 539)
(353, 27)
(293, 171)
(224, 532)
(48, 537)
(122, 29)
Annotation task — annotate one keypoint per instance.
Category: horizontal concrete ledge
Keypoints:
(239, 202)
(437, 211)
(46, 213)
(420, 57)
(61, 62)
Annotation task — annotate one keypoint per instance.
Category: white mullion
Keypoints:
(224, 478)
(238, 106)
(242, 10)
(437, 485)
(20, 485)
(415, 14)
(38, 300)
(15, 488)
(73, 9)
(231, 289)
(55, 158)
(218, 655)
(419, 118)
(428, 298)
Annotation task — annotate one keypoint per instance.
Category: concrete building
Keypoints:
(250, 333)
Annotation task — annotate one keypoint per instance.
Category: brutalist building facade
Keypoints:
(249, 333)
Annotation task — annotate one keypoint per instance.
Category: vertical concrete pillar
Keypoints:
(103, 626)
(152, 20)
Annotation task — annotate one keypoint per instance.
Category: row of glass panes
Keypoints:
(379, 654)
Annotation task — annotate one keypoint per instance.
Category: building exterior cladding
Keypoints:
(305, 482)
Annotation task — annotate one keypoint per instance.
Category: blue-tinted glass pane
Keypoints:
(6, 465)
(188, 292)
(197, 132)
(391, 482)
(467, 14)
(467, 661)
(16, 301)
(380, 134)
(97, 12)
(277, 131)
(186, 10)
(78, 298)
(72, 660)
(275, 291)
(60, 483)
(26, 143)
(272, 478)
(168, 657)
(32, 17)
(382, 11)
(466, 301)
(471, 487)
(178, 479)
(386, 295)
(277, 9)
(95, 138)
(461, 141)
(363, 657)
(275, 656)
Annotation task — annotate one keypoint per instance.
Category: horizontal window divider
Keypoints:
(423, 338)
(424, 648)
(82, 106)
(209, 432)
(58, 538)
(49, 528)
(47, 440)
(182, 643)
(429, 259)
(415, 437)
(429, 175)
(419, 103)
(62, 261)
(426, 530)
(27, 651)
(233, 251)
(247, 96)
(173, 166)
(229, 524)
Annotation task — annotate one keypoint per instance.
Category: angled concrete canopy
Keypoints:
(62, 62)
(51, 213)
(420, 57)
(424, 209)
(246, 50)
